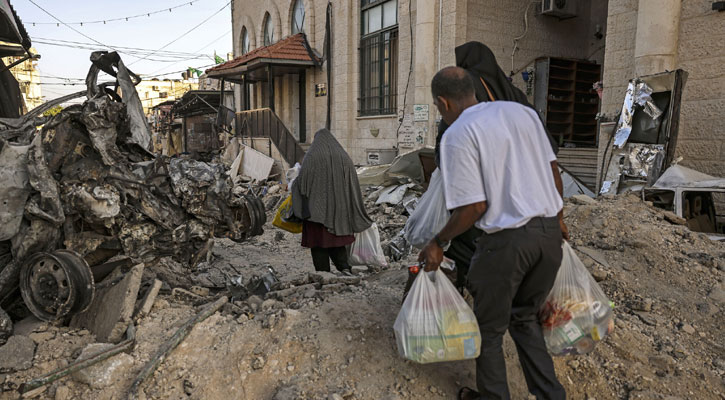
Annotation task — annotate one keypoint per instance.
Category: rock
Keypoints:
(199, 291)
(663, 364)
(642, 305)
(599, 275)
(688, 328)
(149, 299)
(112, 307)
(29, 325)
(271, 304)
(255, 302)
(290, 392)
(717, 294)
(185, 295)
(671, 217)
(335, 396)
(279, 236)
(106, 372)
(648, 318)
(17, 354)
(258, 362)
(63, 393)
(582, 199)
(274, 189)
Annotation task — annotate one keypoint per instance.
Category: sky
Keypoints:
(63, 66)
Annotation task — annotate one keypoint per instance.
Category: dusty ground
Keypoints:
(337, 342)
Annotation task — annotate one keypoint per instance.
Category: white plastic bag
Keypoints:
(292, 174)
(430, 215)
(366, 250)
(576, 314)
(435, 324)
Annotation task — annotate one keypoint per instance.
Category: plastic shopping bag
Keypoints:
(576, 314)
(284, 219)
(435, 324)
(292, 174)
(366, 250)
(430, 215)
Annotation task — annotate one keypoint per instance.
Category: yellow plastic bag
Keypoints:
(279, 222)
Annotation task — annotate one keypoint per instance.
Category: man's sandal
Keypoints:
(466, 390)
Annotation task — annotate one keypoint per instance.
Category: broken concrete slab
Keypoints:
(6, 327)
(112, 308)
(582, 199)
(29, 325)
(327, 278)
(149, 298)
(17, 354)
(106, 372)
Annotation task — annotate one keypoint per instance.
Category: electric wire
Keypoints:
(185, 33)
(68, 26)
(196, 51)
(104, 21)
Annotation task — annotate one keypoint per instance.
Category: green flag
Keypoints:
(218, 59)
(193, 71)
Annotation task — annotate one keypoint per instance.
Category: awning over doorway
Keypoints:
(288, 55)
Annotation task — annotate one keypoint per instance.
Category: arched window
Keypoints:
(268, 30)
(245, 40)
(298, 17)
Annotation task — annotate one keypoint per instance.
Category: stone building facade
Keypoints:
(649, 36)
(609, 32)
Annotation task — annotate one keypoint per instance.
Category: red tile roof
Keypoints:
(293, 47)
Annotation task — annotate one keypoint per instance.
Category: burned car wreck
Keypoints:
(83, 196)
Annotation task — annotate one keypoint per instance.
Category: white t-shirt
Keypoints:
(498, 152)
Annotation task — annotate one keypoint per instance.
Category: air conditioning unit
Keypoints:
(559, 8)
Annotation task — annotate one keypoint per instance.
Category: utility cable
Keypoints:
(103, 21)
(185, 33)
(83, 45)
(196, 51)
(68, 26)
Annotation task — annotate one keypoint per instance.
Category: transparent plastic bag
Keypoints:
(366, 250)
(435, 324)
(430, 215)
(292, 174)
(576, 314)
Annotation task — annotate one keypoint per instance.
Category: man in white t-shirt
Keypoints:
(499, 174)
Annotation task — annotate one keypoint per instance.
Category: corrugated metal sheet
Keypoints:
(582, 163)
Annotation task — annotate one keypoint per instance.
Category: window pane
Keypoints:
(365, 29)
(245, 41)
(375, 18)
(268, 32)
(390, 13)
(298, 18)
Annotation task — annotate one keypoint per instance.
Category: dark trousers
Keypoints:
(321, 258)
(511, 274)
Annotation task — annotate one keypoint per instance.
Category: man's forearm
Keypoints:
(462, 219)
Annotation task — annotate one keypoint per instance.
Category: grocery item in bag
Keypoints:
(284, 218)
(366, 250)
(576, 314)
(435, 324)
(430, 215)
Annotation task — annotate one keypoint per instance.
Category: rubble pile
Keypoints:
(290, 333)
(85, 183)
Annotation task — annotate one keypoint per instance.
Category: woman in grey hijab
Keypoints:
(326, 197)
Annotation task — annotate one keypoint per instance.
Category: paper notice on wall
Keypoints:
(406, 137)
(420, 112)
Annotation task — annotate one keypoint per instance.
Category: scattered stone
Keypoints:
(40, 337)
(599, 274)
(271, 304)
(574, 364)
(200, 291)
(259, 362)
(188, 387)
(184, 295)
(717, 293)
(688, 328)
(291, 392)
(255, 302)
(149, 299)
(17, 354)
(279, 236)
(582, 199)
(673, 218)
(106, 372)
(642, 305)
(357, 270)
(663, 364)
(335, 396)
(63, 393)
(112, 307)
(648, 318)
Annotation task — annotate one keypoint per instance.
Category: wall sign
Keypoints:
(420, 112)
(320, 90)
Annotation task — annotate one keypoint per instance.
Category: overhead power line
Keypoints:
(161, 57)
(185, 33)
(104, 21)
(71, 43)
(196, 51)
(69, 27)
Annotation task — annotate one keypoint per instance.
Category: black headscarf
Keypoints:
(479, 61)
